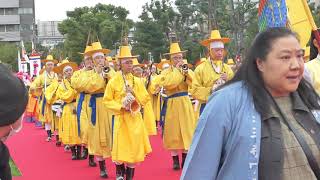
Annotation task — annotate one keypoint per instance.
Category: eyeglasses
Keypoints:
(177, 58)
(99, 57)
(88, 59)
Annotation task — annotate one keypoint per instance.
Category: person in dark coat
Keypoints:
(13, 102)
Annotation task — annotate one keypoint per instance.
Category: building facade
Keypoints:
(48, 33)
(17, 20)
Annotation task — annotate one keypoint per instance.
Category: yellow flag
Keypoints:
(298, 20)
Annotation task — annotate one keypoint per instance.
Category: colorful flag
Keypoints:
(298, 21)
(22, 64)
(35, 64)
(272, 13)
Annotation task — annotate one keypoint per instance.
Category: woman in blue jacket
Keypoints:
(262, 124)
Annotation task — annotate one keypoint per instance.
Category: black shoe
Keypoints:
(58, 142)
(91, 161)
(184, 155)
(84, 154)
(48, 139)
(78, 153)
(49, 135)
(129, 173)
(120, 172)
(103, 171)
(176, 164)
(73, 151)
(66, 148)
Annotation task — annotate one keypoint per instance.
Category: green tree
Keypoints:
(152, 32)
(196, 19)
(105, 22)
(9, 54)
(315, 10)
(243, 24)
(149, 38)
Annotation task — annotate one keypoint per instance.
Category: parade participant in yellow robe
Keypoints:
(39, 85)
(52, 100)
(37, 93)
(155, 89)
(232, 64)
(177, 108)
(154, 93)
(31, 113)
(83, 99)
(148, 114)
(313, 66)
(212, 73)
(100, 121)
(65, 93)
(110, 61)
(123, 96)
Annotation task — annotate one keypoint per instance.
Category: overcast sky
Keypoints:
(55, 10)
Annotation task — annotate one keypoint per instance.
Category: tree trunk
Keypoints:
(234, 23)
(214, 14)
(209, 15)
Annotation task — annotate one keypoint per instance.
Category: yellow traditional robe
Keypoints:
(51, 97)
(38, 85)
(69, 133)
(149, 118)
(179, 117)
(31, 109)
(313, 67)
(99, 134)
(84, 110)
(154, 95)
(205, 77)
(130, 137)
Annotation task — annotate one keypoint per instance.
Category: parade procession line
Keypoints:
(39, 160)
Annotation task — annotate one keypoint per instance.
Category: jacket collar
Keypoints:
(297, 105)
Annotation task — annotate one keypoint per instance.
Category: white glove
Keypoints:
(127, 101)
(59, 113)
(218, 83)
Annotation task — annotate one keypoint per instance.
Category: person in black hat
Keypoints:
(13, 102)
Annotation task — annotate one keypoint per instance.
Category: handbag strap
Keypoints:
(305, 147)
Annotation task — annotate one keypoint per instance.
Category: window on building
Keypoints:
(11, 11)
(26, 27)
(1, 11)
(2, 28)
(25, 11)
(12, 28)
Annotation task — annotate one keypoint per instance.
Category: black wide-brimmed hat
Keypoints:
(13, 97)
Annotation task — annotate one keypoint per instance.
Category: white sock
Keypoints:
(99, 158)
(174, 153)
(47, 126)
(131, 165)
(118, 163)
